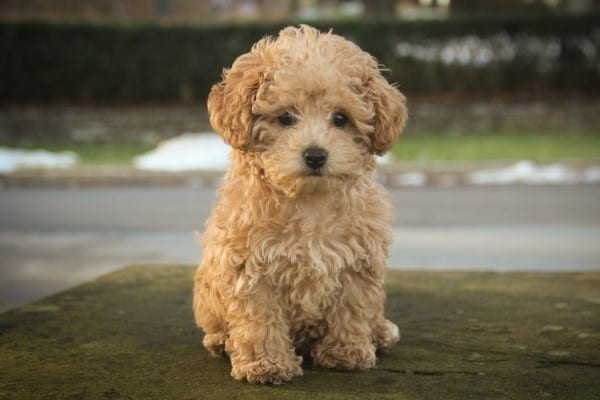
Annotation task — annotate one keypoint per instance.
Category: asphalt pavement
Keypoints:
(52, 239)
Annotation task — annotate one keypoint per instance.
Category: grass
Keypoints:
(97, 153)
(540, 147)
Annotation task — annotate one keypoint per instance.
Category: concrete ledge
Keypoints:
(439, 174)
(102, 176)
(478, 335)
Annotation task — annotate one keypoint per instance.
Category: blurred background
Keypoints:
(107, 157)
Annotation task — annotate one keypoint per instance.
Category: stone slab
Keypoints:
(466, 335)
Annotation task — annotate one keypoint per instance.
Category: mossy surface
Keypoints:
(479, 335)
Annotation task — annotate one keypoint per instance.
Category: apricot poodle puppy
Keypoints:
(295, 252)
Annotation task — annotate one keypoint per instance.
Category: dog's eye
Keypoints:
(340, 120)
(286, 119)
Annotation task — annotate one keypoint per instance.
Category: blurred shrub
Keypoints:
(151, 63)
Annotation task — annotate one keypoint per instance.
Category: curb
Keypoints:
(459, 173)
(395, 175)
(101, 176)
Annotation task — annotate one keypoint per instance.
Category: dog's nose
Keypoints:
(315, 157)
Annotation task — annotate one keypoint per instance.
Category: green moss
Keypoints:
(131, 335)
(96, 153)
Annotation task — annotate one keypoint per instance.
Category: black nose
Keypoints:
(315, 157)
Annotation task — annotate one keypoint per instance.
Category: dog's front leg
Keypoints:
(259, 344)
(351, 324)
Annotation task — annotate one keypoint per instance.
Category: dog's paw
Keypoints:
(267, 371)
(344, 357)
(386, 334)
(214, 343)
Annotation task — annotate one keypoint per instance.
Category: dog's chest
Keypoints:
(306, 255)
(318, 239)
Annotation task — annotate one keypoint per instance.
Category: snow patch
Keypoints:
(591, 175)
(385, 159)
(198, 151)
(208, 151)
(529, 172)
(414, 179)
(14, 159)
(189, 151)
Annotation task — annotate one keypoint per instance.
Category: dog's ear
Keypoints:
(390, 114)
(230, 101)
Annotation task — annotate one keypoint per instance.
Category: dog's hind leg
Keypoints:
(206, 306)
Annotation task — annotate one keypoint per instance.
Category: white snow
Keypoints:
(385, 159)
(414, 179)
(14, 159)
(208, 151)
(591, 175)
(529, 172)
(204, 151)
(189, 151)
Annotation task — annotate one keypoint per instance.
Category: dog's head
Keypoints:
(313, 108)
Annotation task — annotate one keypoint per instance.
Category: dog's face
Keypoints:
(311, 108)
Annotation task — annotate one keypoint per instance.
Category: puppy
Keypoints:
(295, 252)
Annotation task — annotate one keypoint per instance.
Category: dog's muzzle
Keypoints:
(315, 157)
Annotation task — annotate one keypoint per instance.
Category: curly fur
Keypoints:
(294, 263)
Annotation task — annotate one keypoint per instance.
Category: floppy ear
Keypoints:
(390, 114)
(230, 101)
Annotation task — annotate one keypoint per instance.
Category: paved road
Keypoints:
(53, 239)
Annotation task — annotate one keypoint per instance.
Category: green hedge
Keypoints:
(109, 64)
